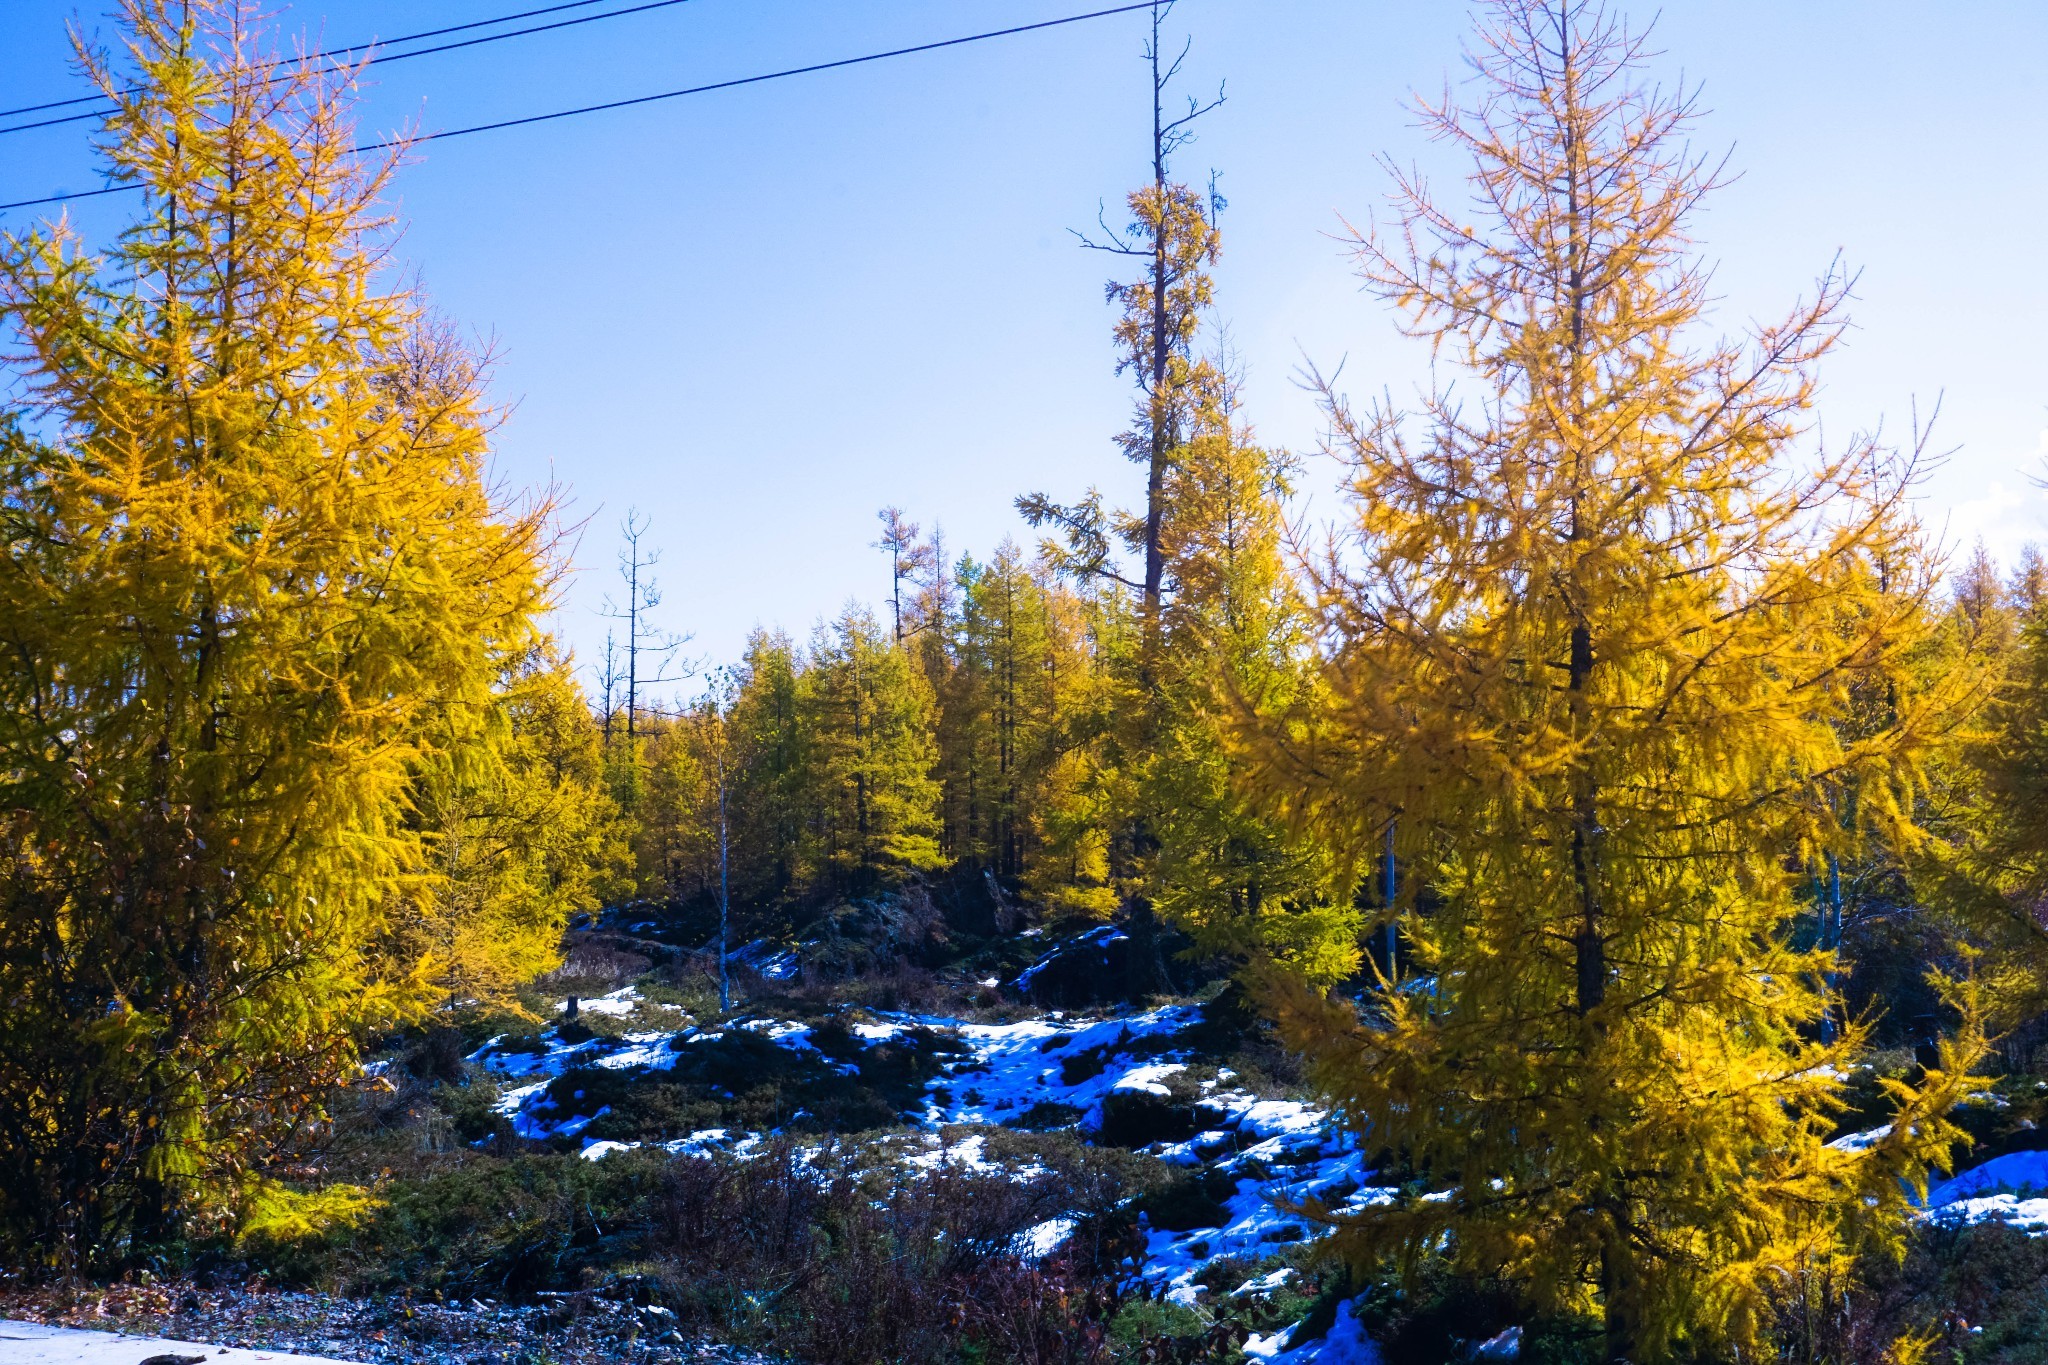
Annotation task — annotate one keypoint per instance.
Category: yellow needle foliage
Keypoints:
(524, 834)
(1603, 649)
(255, 584)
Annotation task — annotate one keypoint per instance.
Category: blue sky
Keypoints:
(761, 314)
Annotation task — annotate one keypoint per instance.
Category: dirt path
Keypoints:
(33, 1343)
(276, 1327)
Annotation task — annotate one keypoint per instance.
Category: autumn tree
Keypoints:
(1188, 602)
(1988, 870)
(1601, 629)
(909, 558)
(767, 726)
(872, 802)
(522, 833)
(672, 824)
(255, 584)
(1017, 660)
(1236, 634)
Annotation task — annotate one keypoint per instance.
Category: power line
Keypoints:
(338, 51)
(396, 56)
(750, 80)
(664, 95)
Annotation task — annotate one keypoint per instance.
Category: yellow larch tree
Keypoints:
(522, 832)
(1602, 633)
(255, 585)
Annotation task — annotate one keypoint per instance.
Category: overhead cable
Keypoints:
(663, 95)
(386, 59)
(746, 80)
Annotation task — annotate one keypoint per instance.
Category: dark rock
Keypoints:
(1094, 968)
(1139, 1118)
(437, 1056)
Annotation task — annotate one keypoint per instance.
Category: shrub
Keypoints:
(808, 1253)
(1193, 1201)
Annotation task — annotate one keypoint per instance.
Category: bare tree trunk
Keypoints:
(724, 883)
(1155, 478)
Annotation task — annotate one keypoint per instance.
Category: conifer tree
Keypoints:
(1140, 810)
(1000, 709)
(1173, 233)
(908, 558)
(255, 584)
(1097, 823)
(767, 730)
(1988, 870)
(1235, 634)
(872, 802)
(524, 834)
(674, 823)
(1599, 639)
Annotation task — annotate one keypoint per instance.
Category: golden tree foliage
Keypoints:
(523, 833)
(1601, 651)
(1988, 865)
(1014, 661)
(869, 740)
(1235, 633)
(255, 586)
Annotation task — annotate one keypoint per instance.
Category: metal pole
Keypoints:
(1831, 939)
(1389, 882)
(724, 888)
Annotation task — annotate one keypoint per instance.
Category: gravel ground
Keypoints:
(566, 1329)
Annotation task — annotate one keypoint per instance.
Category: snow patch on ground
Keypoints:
(1345, 1344)
(1276, 1154)
(1010, 1067)
(618, 1005)
(1042, 1240)
(2015, 1172)
(2006, 1189)
(2029, 1215)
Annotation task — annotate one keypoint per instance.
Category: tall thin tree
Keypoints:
(649, 653)
(909, 558)
(1172, 231)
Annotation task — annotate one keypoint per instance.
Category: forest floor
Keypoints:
(924, 1163)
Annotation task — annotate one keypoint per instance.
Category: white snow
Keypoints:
(1265, 1284)
(1010, 1067)
(618, 1004)
(1043, 1239)
(1148, 1078)
(1863, 1141)
(2015, 1172)
(966, 1152)
(1345, 1344)
(2025, 1214)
